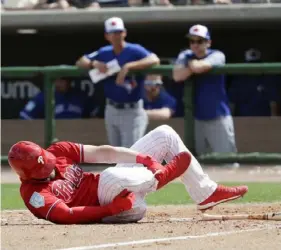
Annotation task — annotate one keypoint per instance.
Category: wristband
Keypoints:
(141, 158)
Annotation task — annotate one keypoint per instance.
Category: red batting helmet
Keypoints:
(30, 161)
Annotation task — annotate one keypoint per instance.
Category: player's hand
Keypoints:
(146, 160)
(120, 79)
(100, 66)
(122, 202)
(149, 162)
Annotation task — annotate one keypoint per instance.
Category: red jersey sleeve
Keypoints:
(40, 203)
(71, 150)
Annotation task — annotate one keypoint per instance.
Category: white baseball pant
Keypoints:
(162, 143)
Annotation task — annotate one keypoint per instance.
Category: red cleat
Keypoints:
(222, 194)
(174, 169)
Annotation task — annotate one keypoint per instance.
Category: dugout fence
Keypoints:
(51, 72)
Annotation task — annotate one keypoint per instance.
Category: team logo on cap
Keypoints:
(113, 23)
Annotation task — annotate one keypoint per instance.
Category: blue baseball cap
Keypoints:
(199, 30)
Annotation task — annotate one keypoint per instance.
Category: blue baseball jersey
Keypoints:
(132, 90)
(164, 100)
(252, 94)
(70, 105)
(211, 99)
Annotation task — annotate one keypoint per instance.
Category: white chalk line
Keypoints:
(147, 241)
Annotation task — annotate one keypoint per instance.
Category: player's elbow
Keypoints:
(159, 114)
(166, 113)
(79, 62)
(200, 67)
(154, 59)
(62, 215)
(83, 63)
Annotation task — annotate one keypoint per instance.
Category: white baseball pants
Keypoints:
(162, 143)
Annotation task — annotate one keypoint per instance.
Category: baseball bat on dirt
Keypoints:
(265, 216)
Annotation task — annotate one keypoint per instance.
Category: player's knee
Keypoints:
(165, 129)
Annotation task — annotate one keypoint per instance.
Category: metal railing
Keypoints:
(49, 73)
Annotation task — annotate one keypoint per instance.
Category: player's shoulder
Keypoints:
(186, 53)
(215, 51)
(36, 101)
(38, 98)
(33, 193)
(134, 46)
(104, 49)
(63, 144)
(68, 150)
(101, 51)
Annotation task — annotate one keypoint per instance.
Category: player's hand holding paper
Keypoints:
(113, 67)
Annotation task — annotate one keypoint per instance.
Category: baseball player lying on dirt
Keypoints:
(56, 189)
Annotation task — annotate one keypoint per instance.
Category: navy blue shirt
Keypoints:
(132, 90)
(164, 100)
(177, 92)
(67, 106)
(211, 99)
(252, 94)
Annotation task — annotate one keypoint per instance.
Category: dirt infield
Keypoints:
(20, 230)
(164, 227)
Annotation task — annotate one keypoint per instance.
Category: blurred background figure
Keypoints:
(158, 103)
(58, 4)
(254, 95)
(69, 103)
(214, 128)
(67, 4)
(205, 2)
(125, 116)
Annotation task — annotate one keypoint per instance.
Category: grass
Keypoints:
(10, 197)
(174, 193)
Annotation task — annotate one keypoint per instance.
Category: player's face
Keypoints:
(115, 38)
(198, 45)
(152, 90)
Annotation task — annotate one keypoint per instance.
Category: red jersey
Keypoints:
(71, 185)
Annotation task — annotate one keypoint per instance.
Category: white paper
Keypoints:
(113, 67)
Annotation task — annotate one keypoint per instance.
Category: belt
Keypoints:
(127, 105)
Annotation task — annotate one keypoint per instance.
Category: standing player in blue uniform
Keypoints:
(214, 130)
(69, 104)
(158, 103)
(125, 117)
